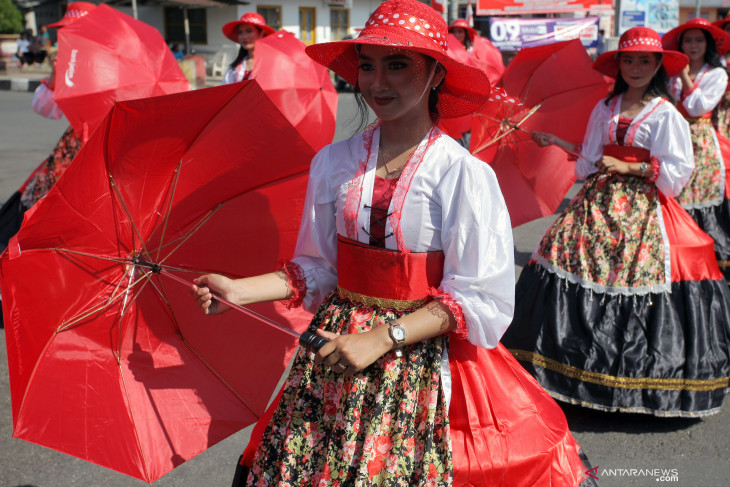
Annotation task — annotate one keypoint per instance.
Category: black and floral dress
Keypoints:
(623, 307)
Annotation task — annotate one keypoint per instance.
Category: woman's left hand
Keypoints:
(349, 354)
(611, 164)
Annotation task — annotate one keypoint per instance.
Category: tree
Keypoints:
(11, 20)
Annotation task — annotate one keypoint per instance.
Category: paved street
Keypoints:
(698, 450)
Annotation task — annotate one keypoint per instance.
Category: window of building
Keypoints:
(307, 25)
(339, 23)
(175, 25)
(271, 14)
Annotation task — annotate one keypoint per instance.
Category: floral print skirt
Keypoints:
(706, 186)
(609, 237)
(723, 117)
(384, 426)
(52, 168)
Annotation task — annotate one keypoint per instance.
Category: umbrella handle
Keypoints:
(312, 341)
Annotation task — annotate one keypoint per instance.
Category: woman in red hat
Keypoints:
(48, 172)
(622, 306)
(405, 255)
(246, 31)
(698, 90)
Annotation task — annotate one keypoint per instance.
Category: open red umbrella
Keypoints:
(550, 88)
(110, 360)
(108, 56)
(298, 86)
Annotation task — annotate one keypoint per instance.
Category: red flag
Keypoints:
(439, 5)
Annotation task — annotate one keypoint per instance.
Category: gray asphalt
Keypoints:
(699, 450)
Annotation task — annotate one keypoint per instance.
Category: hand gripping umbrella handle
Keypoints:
(312, 341)
(307, 339)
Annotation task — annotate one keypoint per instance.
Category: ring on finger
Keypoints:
(341, 366)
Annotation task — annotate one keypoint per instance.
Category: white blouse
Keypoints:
(234, 75)
(659, 127)
(710, 85)
(452, 203)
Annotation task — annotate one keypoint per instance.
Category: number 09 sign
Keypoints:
(512, 34)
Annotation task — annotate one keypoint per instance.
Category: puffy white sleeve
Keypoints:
(44, 103)
(707, 94)
(229, 77)
(593, 142)
(476, 236)
(316, 250)
(672, 146)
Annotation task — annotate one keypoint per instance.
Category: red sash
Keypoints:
(387, 274)
(627, 153)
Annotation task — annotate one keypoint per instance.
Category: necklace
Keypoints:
(392, 173)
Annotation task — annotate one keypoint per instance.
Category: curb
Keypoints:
(18, 84)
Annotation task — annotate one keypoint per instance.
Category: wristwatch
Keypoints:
(398, 334)
(643, 167)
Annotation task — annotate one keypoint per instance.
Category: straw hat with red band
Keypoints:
(722, 38)
(640, 39)
(74, 11)
(416, 27)
(230, 30)
(463, 24)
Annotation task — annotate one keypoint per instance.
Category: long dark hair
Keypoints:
(242, 53)
(712, 57)
(658, 86)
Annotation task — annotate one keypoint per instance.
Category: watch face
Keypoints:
(399, 333)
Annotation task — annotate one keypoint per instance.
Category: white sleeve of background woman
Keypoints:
(707, 94)
(316, 250)
(593, 141)
(672, 146)
(44, 103)
(229, 76)
(476, 238)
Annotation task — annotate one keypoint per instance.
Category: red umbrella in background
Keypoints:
(550, 88)
(298, 86)
(108, 56)
(110, 360)
(487, 57)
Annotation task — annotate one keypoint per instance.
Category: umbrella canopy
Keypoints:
(110, 360)
(108, 56)
(298, 86)
(550, 88)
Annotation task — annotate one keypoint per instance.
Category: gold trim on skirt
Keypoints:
(381, 302)
(620, 382)
(699, 120)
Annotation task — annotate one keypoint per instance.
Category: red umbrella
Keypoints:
(487, 57)
(108, 56)
(110, 360)
(550, 88)
(298, 86)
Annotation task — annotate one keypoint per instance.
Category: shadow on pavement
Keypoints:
(586, 420)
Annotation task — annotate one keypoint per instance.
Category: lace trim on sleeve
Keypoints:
(654, 169)
(296, 282)
(461, 331)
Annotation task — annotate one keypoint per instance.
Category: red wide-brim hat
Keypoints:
(416, 27)
(640, 39)
(74, 12)
(230, 29)
(721, 38)
(463, 24)
(720, 24)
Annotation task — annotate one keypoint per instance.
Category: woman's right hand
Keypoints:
(206, 287)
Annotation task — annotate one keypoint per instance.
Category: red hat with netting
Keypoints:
(463, 24)
(720, 24)
(74, 11)
(416, 27)
(640, 39)
(230, 30)
(721, 38)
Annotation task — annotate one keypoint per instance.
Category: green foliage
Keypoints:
(11, 20)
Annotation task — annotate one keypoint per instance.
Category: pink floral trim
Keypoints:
(655, 165)
(404, 184)
(351, 211)
(461, 331)
(296, 282)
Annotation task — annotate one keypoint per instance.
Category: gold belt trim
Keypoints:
(723, 263)
(699, 120)
(620, 382)
(381, 302)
